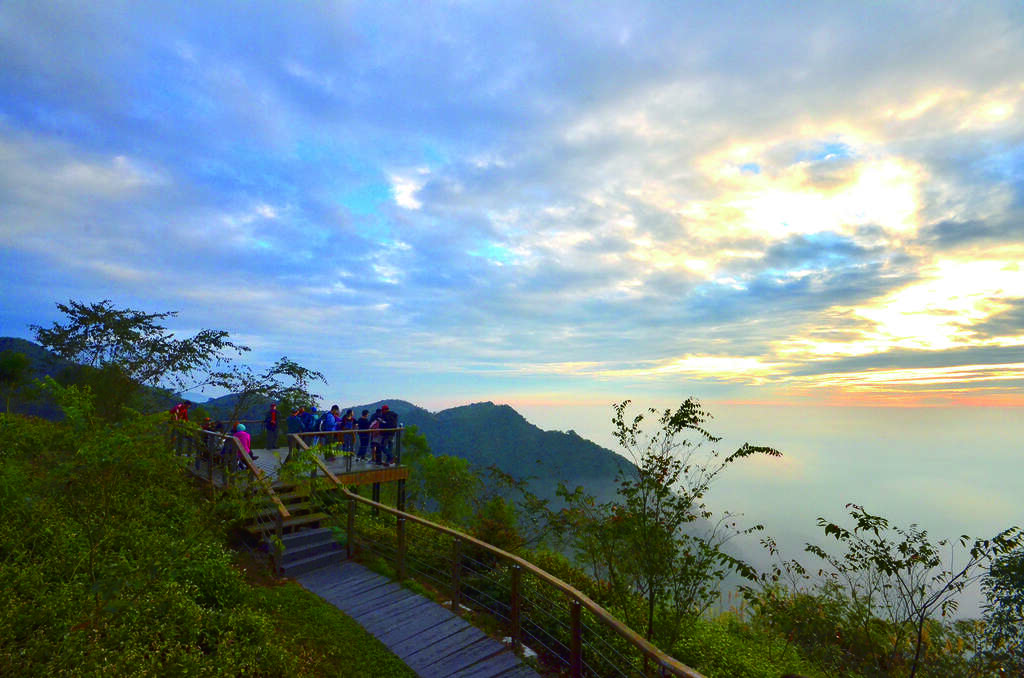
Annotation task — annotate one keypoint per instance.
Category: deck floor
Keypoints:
(270, 461)
(429, 638)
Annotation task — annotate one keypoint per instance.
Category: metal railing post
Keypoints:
(456, 575)
(576, 642)
(400, 552)
(516, 608)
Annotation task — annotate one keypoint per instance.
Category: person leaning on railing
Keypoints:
(389, 420)
(270, 425)
(245, 440)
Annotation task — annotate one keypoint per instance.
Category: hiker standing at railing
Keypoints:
(375, 424)
(270, 425)
(363, 424)
(328, 422)
(347, 423)
(389, 419)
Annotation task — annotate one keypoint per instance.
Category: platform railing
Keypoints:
(237, 471)
(569, 631)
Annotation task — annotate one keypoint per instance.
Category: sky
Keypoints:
(797, 212)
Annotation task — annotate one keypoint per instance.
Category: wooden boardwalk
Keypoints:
(432, 640)
(351, 471)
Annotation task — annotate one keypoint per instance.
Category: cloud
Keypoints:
(628, 193)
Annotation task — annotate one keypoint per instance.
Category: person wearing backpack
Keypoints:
(389, 420)
(363, 424)
(328, 421)
(347, 423)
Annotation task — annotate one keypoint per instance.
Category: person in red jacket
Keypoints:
(270, 424)
(180, 411)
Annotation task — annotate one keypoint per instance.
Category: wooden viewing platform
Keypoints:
(309, 539)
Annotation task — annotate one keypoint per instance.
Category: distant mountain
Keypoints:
(41, 363)
(222, 407)
(483, 433)
(487, 434)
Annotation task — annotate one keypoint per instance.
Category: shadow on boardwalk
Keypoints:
(432, 640)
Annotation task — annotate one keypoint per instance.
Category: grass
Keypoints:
(113, 563)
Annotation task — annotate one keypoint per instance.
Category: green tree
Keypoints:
(649, 543)
(130, 348)
(1004, 612)
(286, 382)
(900, 573)
(14, 371)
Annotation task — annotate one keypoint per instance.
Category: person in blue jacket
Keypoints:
(363, 423)
(308, 418)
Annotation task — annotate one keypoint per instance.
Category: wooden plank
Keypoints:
(347, 601)
(402, 604)
(368, 606)
(418, 655)
(386, 621)
(367, 589)
(426, 619)
(381, 475)
(428, 637)
(521, 671)
(339, 576)
(462, 659)
(357, 582)
(491, 667)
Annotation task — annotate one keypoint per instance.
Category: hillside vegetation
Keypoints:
(114, 564)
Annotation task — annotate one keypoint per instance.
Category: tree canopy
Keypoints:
(136, 344)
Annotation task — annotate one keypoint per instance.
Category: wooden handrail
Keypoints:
(327, 472)
(256, 471)
(664, 661)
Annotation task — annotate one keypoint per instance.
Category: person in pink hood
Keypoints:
(246, 442)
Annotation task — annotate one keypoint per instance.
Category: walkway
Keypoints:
(432, 640)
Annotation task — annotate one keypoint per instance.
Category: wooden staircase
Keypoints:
(308, 545)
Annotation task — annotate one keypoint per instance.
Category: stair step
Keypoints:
(293, 523)
(318, 535)
(313, 563)
(295, 509)
(308, 551)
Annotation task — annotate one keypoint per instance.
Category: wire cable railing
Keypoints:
(569, 630)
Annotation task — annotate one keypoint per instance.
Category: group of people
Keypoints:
(375, 433)
(221, 442)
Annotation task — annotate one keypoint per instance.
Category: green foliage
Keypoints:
(114, 564)
(1004, 612)
(675, 568)
(14, 371)
(286, 382)
(130, 348)
(325, 642)
(496, 523)
(893, 581)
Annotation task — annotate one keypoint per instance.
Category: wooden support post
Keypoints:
(376, 497)
(456, 575)
(276, 546)
(516, 608)
(576, 643)
(350, 533)
(400, 495)
(209, 457)
(400, 552)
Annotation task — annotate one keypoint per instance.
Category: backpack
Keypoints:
(324, 424)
